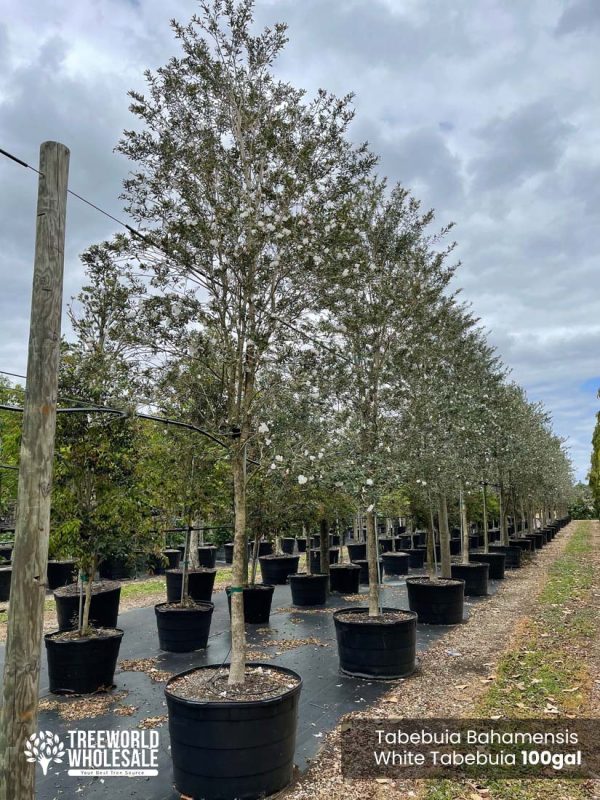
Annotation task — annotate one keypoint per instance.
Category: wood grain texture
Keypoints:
(30, 554)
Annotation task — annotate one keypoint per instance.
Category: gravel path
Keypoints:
(454, 672)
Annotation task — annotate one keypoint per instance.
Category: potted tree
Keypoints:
(244, 253)
(387, 247)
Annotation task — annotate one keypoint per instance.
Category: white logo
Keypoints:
(44, 747)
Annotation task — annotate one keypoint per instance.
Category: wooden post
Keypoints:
(30, 554)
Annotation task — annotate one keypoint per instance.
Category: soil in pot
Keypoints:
(5, 578)
(382, 647)
(309, 590)
(233, 742)
(495, 561)
(416, 558)
(200, 584)
(287, 545)
(182, 629)
(363, 563)
(82, 665)
(257, 603)
(275, 569)
(117, 568)
(60, 573)
(315, 558)
(344, 578)
(396, 563)
(439, 602)
(475, 577)
(104, 606)
(357, 551)
(207, 556)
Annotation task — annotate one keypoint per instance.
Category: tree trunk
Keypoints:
(324, 548)
(486, 539)
(237, 669)
(373, 558)
(444, 538)
(464, 526)
(84, 627)
(502, 515)
(431, 567)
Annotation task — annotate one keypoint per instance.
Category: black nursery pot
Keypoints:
(475, 577)
(6, 553)
(60, 573)
(174, 557)
(207, 556)
(315, 558)
(495, 561)
(385, 545)
(540, 540)
(380, 650)
(416, 558)
(357, 551)
(404, 543)
(257, 603)
(526, 545)
(473, 541)
(301, 545)
(181, 630)
(344, 578)
(5, 578)
(104, 606)
(117, 568)
(287, 544)
(229, 553)
(436, 602)
(275, 569)
(309, 590)
(233, 749)
(455, 547)
(200, 584)
(363, 563)
(396, 563)
(512, 555)
(82, 666)
(265, 548)
(334, 540)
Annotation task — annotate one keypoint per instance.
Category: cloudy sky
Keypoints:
(489, 111)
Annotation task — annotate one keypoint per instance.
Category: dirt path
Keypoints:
(454, 675)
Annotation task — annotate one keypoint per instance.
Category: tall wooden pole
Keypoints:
(30, 554)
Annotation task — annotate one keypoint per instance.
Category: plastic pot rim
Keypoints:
(234, 703)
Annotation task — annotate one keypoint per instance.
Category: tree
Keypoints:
(232, 172)
(97, 510)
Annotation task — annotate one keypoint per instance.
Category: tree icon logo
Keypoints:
(44, 747)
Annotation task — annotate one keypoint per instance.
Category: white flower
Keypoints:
(214, 243)
(279, 458)
(263, 428)
(345, 273)
(320, 454)
(369, 481)
(302, 479)
(273, 466)
(371, 507)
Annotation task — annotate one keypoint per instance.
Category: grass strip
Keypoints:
(547, 675)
